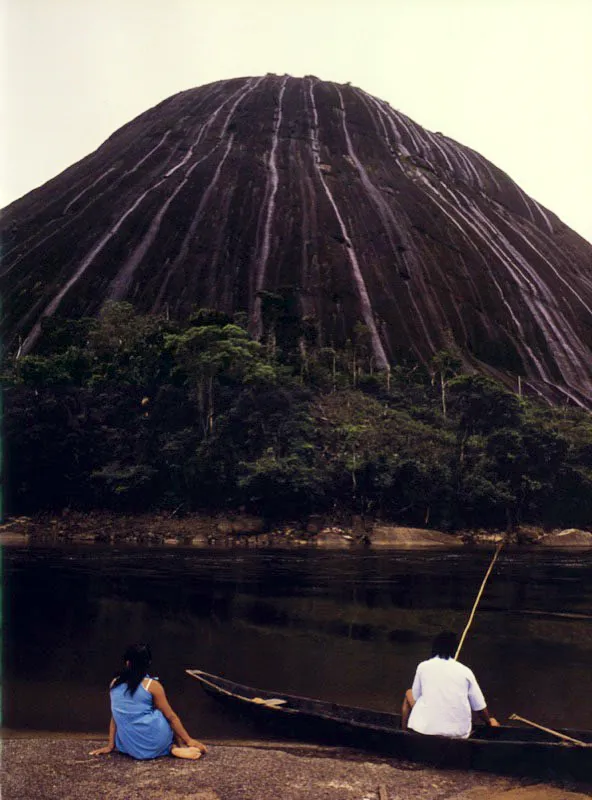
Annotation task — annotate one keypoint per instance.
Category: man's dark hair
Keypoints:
(445, 644)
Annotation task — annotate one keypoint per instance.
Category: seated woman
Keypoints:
(143, 725)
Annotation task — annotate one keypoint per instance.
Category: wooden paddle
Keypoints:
(550, 730)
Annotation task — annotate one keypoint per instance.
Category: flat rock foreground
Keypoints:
(47, 769)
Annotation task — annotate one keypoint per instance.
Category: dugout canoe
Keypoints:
(513, 750)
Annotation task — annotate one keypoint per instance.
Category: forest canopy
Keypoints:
(130, 412)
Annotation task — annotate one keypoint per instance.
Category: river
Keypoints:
(343, 626)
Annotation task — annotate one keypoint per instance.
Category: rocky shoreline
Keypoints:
(243, 530)
(48, 769)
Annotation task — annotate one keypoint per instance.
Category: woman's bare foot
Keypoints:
(193, 753)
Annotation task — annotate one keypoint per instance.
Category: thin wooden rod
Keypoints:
(487, 574)
(549, 730)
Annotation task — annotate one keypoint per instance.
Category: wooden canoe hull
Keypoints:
(506, 750)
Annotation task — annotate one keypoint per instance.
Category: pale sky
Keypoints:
(510, 78)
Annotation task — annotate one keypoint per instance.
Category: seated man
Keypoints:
(443, 694)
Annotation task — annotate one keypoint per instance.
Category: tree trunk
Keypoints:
(210, 405)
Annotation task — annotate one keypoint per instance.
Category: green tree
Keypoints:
(480, 405)
(443, 366)
(528, 461)
(209, 354)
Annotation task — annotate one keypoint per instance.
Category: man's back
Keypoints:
(445, 691)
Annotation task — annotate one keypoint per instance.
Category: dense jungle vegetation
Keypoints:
(133, 412)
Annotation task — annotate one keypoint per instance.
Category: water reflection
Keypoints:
(348, 627)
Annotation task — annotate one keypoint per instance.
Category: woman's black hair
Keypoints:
(136, 659)
(445, 645)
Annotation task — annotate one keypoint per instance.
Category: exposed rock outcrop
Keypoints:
(323, 193)
(393, 536)
(571, 537)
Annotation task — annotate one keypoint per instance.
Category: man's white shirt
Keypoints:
(445, 692)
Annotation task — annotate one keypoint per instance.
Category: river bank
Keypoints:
(202, 530)
(47, 769)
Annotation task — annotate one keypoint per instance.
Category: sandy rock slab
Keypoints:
(396, 536)
(48, 769)
(571, 537)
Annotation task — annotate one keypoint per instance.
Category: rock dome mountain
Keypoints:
(270, 184)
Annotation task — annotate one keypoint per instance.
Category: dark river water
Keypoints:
(343, 626)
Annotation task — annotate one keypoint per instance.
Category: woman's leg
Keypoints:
(180, 751)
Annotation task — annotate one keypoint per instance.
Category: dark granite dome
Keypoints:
(253, 184)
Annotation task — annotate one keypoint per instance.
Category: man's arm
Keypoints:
(410, 698)
(487, 718)
(477, 702)
(416, 686)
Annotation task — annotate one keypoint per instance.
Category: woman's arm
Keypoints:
(111, 746)
(162, 704)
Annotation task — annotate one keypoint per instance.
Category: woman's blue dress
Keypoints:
(142, 730)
